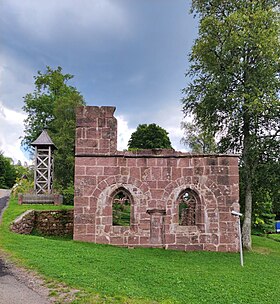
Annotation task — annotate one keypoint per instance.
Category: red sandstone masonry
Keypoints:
(155, 179)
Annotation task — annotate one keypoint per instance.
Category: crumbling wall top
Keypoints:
(86, 115)
(96, 130)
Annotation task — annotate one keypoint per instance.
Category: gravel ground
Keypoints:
(20, 287)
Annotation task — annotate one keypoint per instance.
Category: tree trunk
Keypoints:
(246, 229)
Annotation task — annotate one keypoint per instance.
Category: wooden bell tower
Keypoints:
(43, 171)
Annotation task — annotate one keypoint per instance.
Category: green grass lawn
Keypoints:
(275, 237)
(110, 274)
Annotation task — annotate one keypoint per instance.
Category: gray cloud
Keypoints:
(15, 80)
(127, 53)
(48, 21)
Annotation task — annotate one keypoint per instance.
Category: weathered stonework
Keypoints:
(24, 224)
(55, 222)
(155, 179)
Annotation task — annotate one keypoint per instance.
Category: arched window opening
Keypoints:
(187, 209)
(121, 208)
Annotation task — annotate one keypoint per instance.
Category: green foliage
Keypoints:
(183, 208)
(143, 275)
(22, 171)
(199, 140)
(121, 214)
(22, 185)
(267, 181)
(7, 172)
(68, 195)
(10, 173)
(121, 208)
(235, 66)
(67, 192)
(263, 218)
(149, 136)
(52, 105)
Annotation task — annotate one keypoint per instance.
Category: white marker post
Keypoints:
(235, 213)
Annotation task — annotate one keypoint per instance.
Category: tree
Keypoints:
(7, 172)
(198, 140)
(149, 136)
(266, 180)
(263, 217)
(52, 105)
(24, 172)
(235, 65)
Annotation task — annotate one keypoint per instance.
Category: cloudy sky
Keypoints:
(132, 54)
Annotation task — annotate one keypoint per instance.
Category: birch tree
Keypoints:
(234, 87)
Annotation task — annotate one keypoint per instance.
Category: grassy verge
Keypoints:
(274, 236)
(109, 274)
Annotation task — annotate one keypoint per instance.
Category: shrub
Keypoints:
(68, 195)
(22, 185)
(264, 219)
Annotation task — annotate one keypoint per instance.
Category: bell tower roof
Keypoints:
(43, 140)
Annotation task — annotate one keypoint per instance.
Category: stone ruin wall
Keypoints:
(45, 222)
(155, 179)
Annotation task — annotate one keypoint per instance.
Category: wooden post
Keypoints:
(35, 167)
(49, 169)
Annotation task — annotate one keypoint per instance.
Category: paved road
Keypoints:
(13, 290)
(4, 196)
